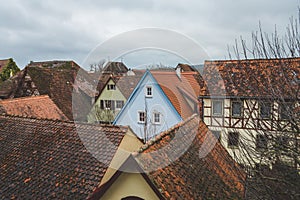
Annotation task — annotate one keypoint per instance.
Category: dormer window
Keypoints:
(149, 91)
(111, 87)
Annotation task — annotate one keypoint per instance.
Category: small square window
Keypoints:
(217, 107)
(149, 92)
(261, 142)
(111, 87)
(141, 117)
(285, 110)
(119, 104)
(156, 118)
(236, 109)
(265, 110)
(233, 139)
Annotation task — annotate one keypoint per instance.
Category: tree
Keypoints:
(9, 70)
(275, 170)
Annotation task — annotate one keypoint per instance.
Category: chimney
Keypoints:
(178, 71)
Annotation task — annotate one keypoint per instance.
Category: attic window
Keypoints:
(149, 92)
(111, 87)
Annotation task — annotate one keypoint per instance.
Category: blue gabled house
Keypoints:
(148, 111)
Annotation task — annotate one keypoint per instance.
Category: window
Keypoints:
(233, 139)
(265, 110)
(217, 135)
(119, 104)
(108, 105)
(149, 91)
(156, 118)
(285, 110)
(236, 108)
(111, 87)
(141, 117)
(217, 107)
(261, 142)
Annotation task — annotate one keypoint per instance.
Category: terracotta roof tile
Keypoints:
(215, 176)
(126, 84)
(184, 89)
(43, 159)
(253, 78)
(36, 106)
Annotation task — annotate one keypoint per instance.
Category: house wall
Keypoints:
(107, 95)
(157, 103)
(249, 125)
(130, 143)
(130, 184)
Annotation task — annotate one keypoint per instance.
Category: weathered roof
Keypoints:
(187, 176)
(126, 84)
(20, 85)
(216, 176)
(269, 78)
(35, 106)
(115, 68)
(3, 63)
(180, 91)
(53, 78)
(43, 159)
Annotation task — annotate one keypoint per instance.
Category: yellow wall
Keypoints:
(107, 95)
(129, 184)
(129, 144)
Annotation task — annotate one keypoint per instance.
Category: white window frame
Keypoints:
(212, 107)
(153, 118)
(139, 114)
(146, 91)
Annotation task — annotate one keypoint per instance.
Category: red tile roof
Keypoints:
(253, 78)
(216, 176)
(179, 90)
(36, 106)
(46, 159)
(55, 79)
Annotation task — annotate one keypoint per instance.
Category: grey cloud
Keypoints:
(32, 29)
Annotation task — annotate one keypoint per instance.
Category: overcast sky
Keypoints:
(68, 30)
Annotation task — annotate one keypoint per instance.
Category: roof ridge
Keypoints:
(162, 135)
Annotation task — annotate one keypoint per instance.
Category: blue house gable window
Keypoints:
(156, 118)
(149, 91)
(141, 116)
